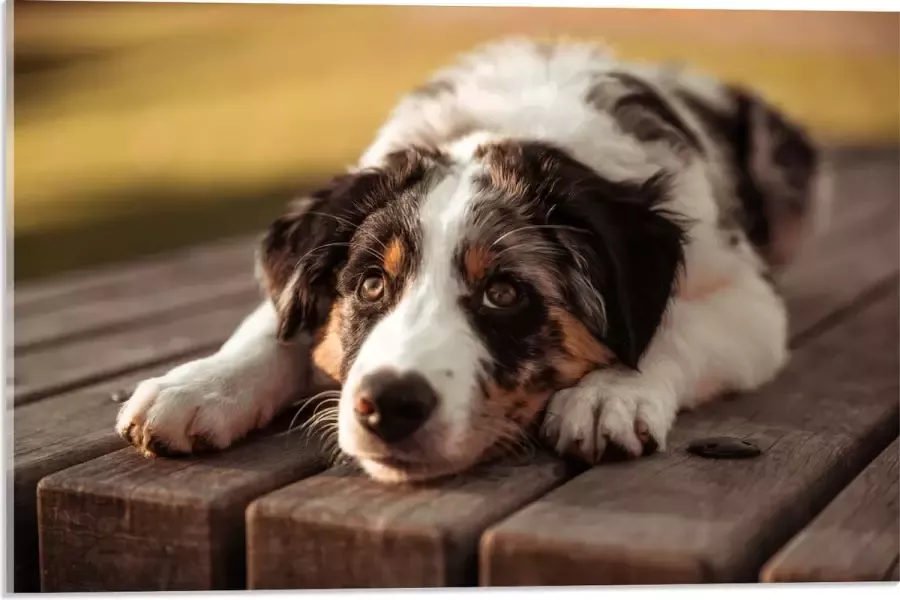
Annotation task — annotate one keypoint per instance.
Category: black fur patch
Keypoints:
(641, 110)
(782, 189)
(602, 246)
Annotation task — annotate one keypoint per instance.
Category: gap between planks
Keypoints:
(856, 537)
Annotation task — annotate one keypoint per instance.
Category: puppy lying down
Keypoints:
(541, 236)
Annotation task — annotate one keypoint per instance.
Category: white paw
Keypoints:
(192, 408)
(609, 408)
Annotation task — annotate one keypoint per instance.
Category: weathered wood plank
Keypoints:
(860, 249)
(856, 538)
(137, 277)
(55, 434)
(42, 372)
(127, 309)
(122, 522)
(674, 517)
(340, 529)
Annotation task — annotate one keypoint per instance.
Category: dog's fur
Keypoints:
(629, 219)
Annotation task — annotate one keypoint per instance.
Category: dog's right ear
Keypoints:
(299, 257)
(302, 251)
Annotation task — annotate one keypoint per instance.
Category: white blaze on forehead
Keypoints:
(427, 331)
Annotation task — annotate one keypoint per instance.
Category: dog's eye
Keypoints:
(500, 294)
(371, 289)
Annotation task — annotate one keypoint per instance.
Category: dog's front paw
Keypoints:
(605, 411)
(190, 409)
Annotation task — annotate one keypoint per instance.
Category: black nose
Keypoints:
(393, 405)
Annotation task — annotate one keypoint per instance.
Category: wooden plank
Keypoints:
(129, 308)
(675, 517)
(122, 522)
(340, 529)
(859, 250)
(856, 538)
(42, 372)
(55, 434)
(138, 277)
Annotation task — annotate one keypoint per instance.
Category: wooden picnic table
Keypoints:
(819, 503)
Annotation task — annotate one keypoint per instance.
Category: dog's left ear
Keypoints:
(301, 254)
(302, 251)
(625, 253)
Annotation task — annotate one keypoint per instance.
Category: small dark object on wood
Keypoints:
(120, 396)
(723, 447)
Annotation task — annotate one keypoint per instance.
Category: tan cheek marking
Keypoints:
(328, 353)
(583, 352)
(393, 257)
(518, 405)
(477, 260)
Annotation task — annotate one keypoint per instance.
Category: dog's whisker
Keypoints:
(327, 395)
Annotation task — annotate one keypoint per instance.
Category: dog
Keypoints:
(541, 238)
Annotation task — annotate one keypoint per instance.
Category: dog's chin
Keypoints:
(395, 471)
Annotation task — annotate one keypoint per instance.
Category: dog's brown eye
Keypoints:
(372, 287)
(500, 294)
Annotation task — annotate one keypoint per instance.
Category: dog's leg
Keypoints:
(729, 339)
(214, 401)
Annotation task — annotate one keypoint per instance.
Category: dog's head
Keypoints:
(451, 294)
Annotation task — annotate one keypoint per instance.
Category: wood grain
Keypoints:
(859, 250)
(674, 517)
(128, 309)
(135, 277)
(43, 372)
(55, 434)
(122, 522)
(856, 538)
(340, 529)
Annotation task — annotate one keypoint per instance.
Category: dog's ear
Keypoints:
(624, 251)
(302, 251)
(301, 254)
(624, 288)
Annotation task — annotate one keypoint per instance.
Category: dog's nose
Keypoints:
(393, 405)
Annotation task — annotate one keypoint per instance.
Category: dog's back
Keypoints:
(624, 118)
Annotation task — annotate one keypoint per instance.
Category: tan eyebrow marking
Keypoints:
(394, 255)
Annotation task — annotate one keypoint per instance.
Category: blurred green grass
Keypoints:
(143, 127)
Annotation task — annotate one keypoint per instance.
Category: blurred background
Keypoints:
(140, 128)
